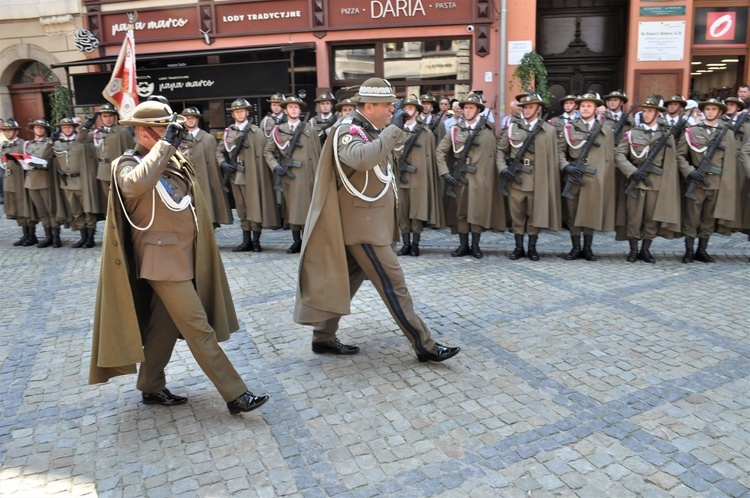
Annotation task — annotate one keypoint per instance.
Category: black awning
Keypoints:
(111, 59)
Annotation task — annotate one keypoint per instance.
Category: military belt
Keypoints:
(71, 175)
(104, 160)
(714, 170)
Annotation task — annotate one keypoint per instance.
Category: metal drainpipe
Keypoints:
(503, 55)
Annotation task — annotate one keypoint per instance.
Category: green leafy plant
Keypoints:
(60, 103)
(532, 75)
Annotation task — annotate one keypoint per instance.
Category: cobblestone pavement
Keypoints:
(576, 379)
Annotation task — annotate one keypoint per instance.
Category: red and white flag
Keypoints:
(122, 90)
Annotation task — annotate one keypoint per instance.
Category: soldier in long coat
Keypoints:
(593, 204)
(325, 118)
(716, 208)
(535, 201)
(295, 179)
(76, 167)
(161, 273)
(17, 204)
(615, 102)
(252, 185)
(568, 115)
(351, 227)
(419, 193)
(737, 118)
(427, 115)
(275, 117)
(478, 206)
(200, 148)
(653, 209)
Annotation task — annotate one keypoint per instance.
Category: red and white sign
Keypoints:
(720, 25)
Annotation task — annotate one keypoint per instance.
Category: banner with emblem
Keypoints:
(122, 90)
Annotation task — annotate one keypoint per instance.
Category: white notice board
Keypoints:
(661, 41)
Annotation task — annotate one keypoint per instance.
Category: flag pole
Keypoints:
(122, 90)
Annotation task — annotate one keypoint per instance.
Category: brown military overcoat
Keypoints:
(201, 151)
(109, 146)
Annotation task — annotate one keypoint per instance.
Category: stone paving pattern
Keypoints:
(576, 379)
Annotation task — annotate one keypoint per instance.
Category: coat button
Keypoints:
(117, 261)
(114, 242)
(158, 242)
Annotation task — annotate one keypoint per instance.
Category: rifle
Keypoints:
(61, 174)
(741, 120)
(460, 168)
(403, 165)
(679, 127)
(648, 166)
(580, 163)
(705, 165)
(516, 165)
(232, 158)
(287, 163)
(620, 124)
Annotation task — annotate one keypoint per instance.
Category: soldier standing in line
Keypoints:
(650, 210)
(275, 117)
(419, 194)
(17, 203)
(615, 101)
(427, 114)
(110, 141)
(735, 110)
(252, 185)
(478, 206)
(200, 148)
(569, 113)
(535, 201)
(675, 109)
(42, 184)
(351, 227)
(715, 206)
(592, 206)
(294, 162)
(76, 167)
(343, 108)
(325, 118)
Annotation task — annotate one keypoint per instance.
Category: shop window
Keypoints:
(354, 63)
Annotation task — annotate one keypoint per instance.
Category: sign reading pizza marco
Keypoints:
(267, 17)
(366, 13)
(152, 25)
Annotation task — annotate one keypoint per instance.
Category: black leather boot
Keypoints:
(47, 241)
(56, 242)
(689, 251)
(415, 244)
(297, 244)
(23, 238)
(406, 248)
(90, 242)
(531, 253)
(587, 253)
(475, 251)
(701, 254)
(246, 244)
(633, 254)
(463, 246)
(645, 254)
(80, 242)
(574, 253)
(256, 241)
(31, 239)
(518, 252)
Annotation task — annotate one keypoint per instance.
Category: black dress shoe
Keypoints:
(246, 403)
(163, 397)
(438, 353)
(334, 346)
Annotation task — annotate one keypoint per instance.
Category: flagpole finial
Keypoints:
(132, 17)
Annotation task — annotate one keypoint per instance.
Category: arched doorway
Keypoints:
(30, 88)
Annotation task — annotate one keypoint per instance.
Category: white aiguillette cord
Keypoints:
(387, 179)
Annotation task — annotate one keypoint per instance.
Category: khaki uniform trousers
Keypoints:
(379, 265)
(79, 219)
(40, 199)
(640, 213)
(699, 219)
(239, 202)
(179, 302)
(104, 186)
(572, 205)
(406, 224)
(462, 212)
(521, 204)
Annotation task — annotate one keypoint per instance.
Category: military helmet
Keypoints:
(152, 114)
(676, 98)
(740, 103)
(66, 121)
(107, 109)
(191, 111)
(472, 98)
(239, 104)
(531, 98)
(276, 98)
(375, 91)
(712, 101)
(10, 124)
(347, 101)
(293, 99)
(616, 94)
(39, 122)
(569, 96)
(428, 97)
(653, 103)
(326, 97)
(413, 100)
(590, 97)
